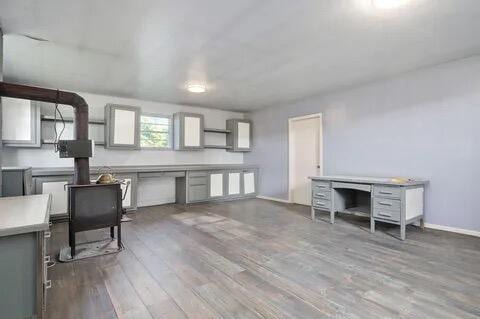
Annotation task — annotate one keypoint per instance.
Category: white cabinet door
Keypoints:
(249, 183)
(243, 135)
(192, 131)
(216, 184)
(59, 193)
(124, 123)
(127, 202)
(20, 123)
(122, 126)
(233, 183)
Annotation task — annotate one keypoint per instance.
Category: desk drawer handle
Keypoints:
(384, 215)
(321, 186)
(320, 203)
(385, 193)
(385, 204)
(321, 195)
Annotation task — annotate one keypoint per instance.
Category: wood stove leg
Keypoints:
(119, 236)
(71, 240)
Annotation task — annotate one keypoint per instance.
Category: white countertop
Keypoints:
(369, 180)
(24, 214)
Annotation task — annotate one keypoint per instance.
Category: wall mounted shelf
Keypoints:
(70, 120)
(216, 130)
(51, 142)
(219, 147)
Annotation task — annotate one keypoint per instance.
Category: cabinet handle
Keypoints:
(46, 259)
(385, 204)
(385, 193)
(321, 195)
(47, 234)
(384, 215)
(48, 284)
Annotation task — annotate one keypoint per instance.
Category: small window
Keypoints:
(155, 131)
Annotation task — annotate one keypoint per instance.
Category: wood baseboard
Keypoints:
(454, 229)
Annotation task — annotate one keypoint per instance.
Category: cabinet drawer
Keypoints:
(386, 214)
(321, 194)
(386, 204)
(192, 181)
(197, 193)
(197, 174)
(318, 186)
(387, 191)
(321, 204)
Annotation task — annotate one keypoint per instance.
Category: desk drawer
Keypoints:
(387, 191)
(386, 204)
(321, 194)
(319, 186)
(321, 204)
(386, 214)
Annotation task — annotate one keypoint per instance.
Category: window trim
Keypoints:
(170, 131)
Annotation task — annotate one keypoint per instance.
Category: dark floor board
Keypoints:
(260, 259)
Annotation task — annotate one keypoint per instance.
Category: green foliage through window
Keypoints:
(155, 131)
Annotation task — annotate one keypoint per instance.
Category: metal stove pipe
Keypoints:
(81, 164)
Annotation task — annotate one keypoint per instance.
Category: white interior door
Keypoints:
(304, 157)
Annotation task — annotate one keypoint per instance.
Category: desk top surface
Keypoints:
(24, 214)
(369, 180)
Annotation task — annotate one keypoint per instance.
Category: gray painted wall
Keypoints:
(1, 78)
(422, 124)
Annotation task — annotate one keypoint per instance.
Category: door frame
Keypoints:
(290, 153)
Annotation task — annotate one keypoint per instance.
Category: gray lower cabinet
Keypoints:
(197, 186)
(17, 181)
(23, 274)
(202, 186)
(57, 187)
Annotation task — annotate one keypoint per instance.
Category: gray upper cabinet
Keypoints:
(122, 126)
(240, 137)
(188, 131)
(20, 123)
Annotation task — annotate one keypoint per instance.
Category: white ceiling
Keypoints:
(250, 53)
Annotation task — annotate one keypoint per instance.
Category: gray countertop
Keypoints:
(51, 171)
(24, 214)
(369, 180)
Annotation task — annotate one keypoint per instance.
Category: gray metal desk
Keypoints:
(378, 198)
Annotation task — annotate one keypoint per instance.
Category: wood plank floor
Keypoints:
(260, 259)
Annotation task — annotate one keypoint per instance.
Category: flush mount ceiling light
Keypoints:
(196, 88)
(388, 4)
